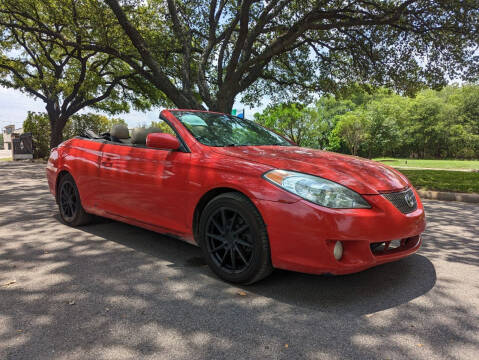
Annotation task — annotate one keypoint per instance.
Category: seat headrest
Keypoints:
(138, 136)
(154, 130)
(120, 131)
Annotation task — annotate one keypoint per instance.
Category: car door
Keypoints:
(145, 184)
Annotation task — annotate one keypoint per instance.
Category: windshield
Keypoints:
(225, 130)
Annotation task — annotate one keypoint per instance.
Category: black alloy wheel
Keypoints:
(234, 240)
(229, 240)
(68, 201)
(71, 209)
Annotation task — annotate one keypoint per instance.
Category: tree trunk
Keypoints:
(57, 123)
(56, 134)
(224, 103)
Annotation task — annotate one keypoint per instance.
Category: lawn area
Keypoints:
(439, 164)
(443, 180)
(6, 159)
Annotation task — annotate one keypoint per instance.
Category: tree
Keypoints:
(434, 124)
(39, 125)
(292, 120)
(210, 51)
(200, 53)
(64, 76)
(384, 113)
(328, 110)
(352, 127)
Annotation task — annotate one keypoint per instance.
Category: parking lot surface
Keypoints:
(114, 291)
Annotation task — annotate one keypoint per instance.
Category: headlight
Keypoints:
(317, 190)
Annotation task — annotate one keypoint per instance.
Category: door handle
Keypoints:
(107, 161)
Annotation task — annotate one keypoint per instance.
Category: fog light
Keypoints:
(338, 250)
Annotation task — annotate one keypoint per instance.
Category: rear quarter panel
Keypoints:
(80, 158)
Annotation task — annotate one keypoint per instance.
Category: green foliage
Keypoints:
(352, 129)
(40, 55)
(293, 120)
(379, 122)
(163, 126)
(38, 124)
(1, 142)
(200, 53)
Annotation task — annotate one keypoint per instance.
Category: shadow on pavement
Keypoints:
(373, 290)
(112, 291)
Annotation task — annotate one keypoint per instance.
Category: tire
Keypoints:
(69, 203)
(234, 241)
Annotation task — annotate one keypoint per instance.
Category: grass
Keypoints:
(443, 180)
(439, 164)
(6, 159)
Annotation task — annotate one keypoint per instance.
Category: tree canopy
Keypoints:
(433, 124)
(204, 53)
(39, 125)
(66, 77)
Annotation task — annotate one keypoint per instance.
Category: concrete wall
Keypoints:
(5, 154)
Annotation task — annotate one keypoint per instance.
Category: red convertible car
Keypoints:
(251, 199)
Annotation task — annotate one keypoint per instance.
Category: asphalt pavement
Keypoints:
(114, 291)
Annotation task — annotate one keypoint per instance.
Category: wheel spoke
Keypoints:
(244, 243)
(219, 247)
(216, 237)
(240, 230)
(220, 229)
(232, 221)
(72, 208)
(224, 257)
(223, 219)
(241, 254)
(233, 259)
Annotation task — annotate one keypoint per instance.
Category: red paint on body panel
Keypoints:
(159, 189)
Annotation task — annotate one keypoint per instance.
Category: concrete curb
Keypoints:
(448, 196)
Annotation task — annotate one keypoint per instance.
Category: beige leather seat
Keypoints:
(138, 135)
(119, 132)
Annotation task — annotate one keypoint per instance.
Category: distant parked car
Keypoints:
(251, 199)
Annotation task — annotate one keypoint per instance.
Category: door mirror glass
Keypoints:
(162, 141)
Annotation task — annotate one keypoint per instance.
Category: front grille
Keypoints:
(404, 201)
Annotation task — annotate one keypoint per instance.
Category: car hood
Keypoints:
(361, 175)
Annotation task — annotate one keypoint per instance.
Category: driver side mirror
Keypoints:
(162, 141)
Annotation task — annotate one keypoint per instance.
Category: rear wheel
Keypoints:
(71, 209)
(234, 240)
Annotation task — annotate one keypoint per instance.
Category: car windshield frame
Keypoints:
(253, 133)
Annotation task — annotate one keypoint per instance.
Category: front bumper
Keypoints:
(302, 235)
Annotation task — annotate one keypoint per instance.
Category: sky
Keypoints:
(14, 106)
